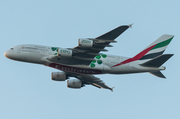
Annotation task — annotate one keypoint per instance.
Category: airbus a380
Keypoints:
(85, 60)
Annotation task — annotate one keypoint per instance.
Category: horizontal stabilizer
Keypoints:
(158, 74)
(158, 61)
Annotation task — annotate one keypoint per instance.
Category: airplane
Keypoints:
(85, 60)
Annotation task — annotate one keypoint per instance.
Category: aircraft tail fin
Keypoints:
(158, 74)
(156, 48)
(158, 61)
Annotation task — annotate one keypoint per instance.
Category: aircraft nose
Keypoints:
(9, 54)
(6, 54)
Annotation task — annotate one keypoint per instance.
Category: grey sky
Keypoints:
(27, 91)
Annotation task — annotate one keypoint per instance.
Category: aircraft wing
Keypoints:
(113, 34)
(90, 80)
(85, 55)
(99, 44)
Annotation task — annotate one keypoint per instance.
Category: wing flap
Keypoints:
(90, 79)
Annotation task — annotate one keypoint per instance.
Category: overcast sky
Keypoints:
(27, 91)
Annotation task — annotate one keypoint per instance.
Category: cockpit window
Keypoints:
(11, 49)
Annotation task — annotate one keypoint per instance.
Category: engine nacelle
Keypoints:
(58, 76)
(74, 83)
(64, 52)
(85, 43)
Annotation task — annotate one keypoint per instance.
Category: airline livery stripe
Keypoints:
(142, 55)
(137, 57)
(162, 44)
(157, 50)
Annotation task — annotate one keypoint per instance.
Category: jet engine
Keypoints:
(74, 83)
(86, 43)
(58, 76)
(64, 52)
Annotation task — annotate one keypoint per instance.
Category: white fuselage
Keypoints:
(41, 55)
